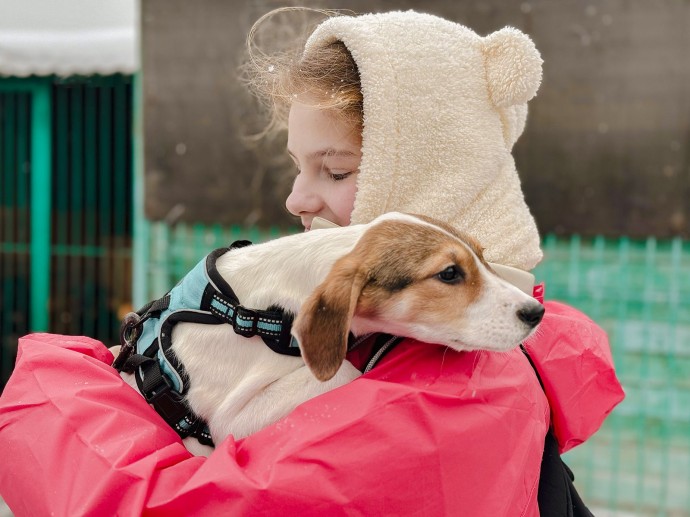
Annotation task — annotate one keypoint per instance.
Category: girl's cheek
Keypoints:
(344, 200)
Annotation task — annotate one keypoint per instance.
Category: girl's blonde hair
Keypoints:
(326, 76)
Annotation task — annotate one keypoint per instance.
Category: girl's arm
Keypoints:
(429, 431)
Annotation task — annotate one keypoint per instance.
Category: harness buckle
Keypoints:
(167, 402)
(245, 321)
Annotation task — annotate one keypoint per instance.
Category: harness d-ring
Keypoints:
(130, 330)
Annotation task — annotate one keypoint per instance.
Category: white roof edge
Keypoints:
(69, 37)
(82, 52)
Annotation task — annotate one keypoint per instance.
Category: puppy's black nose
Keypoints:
(531, 314)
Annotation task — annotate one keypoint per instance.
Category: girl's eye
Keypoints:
(339, 176)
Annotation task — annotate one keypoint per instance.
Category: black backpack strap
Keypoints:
(557, 496)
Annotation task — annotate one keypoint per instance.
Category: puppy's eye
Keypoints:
(451, 275)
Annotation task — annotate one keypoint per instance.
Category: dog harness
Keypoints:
(202, 296)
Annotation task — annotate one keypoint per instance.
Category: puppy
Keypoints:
(401, 274)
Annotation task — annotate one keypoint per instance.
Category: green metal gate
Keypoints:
(66, 207)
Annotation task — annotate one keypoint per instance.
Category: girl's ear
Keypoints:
(323, 323)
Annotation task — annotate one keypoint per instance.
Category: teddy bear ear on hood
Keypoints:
(513, 67)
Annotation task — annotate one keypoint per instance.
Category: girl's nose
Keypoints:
(304, 198)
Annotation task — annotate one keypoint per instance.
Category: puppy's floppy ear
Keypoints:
(323, 323)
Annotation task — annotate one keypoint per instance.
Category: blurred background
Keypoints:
(126, 155)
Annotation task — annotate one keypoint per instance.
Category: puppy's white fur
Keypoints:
(238, 385)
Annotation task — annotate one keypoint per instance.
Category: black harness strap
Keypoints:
(158, 391)
(272, 325)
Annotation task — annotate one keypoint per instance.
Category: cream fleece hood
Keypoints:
(442, 110)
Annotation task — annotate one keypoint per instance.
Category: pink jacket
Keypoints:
(429, 431)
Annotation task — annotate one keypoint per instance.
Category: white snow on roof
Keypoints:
(68, 37)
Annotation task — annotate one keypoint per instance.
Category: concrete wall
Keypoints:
(606, 149)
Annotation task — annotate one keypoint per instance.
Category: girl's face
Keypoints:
(327, 152)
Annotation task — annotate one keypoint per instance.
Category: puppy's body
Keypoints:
(399, 274)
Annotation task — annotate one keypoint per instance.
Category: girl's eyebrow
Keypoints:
(339, 153)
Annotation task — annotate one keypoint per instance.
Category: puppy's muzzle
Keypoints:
(531, 314)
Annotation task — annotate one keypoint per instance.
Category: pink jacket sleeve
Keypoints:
(428, 432)
(573, 358)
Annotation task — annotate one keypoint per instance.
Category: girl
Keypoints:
(394, 111)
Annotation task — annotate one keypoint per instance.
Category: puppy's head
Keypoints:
(415, 277)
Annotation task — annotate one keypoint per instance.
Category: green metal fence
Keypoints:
(66, 207)
(639, 291)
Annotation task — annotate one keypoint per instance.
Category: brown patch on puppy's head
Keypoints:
(473, 243)
(411, 257)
